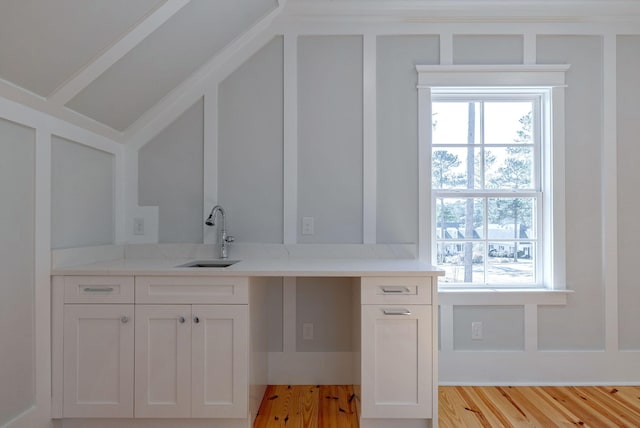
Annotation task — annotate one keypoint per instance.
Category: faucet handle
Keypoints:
(229, 238)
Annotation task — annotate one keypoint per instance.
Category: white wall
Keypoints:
(397, 129)
(249, 166)
(27, 223)
(170, 176)
(330, 138)
(82, 195)
(17, 269)
(628, 94)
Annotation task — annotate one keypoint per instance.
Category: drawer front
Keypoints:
(396, 290)
(183, 289)
(98, 289)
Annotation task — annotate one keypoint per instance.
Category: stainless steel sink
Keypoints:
(209, 263)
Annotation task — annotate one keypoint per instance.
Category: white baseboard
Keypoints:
(539, 368)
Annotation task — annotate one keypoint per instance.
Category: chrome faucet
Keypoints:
(224, 239)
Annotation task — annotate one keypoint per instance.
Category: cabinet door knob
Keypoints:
(124, 319)
(181, 320)
(196, 320)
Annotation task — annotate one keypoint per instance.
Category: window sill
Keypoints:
(509, 296)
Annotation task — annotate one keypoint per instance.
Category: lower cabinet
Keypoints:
(398, 370)
(191, 361)
(149, 358)
(98, 360)
(396, 361)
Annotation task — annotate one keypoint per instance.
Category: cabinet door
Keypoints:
(396, 361)
(220, 361)
(163, 359)
(98, 361)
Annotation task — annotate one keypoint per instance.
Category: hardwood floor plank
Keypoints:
(337, 407)
(555, 414)
(290, 407)
(510, 409)
(483, 409)
(627, 415)
(589, 416)
(450, 406)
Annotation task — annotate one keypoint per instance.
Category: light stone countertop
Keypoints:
(254, 260)
(299, 267)
(263, 267)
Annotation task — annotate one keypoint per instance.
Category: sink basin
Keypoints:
(209, 263)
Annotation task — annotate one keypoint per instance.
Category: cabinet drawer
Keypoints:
(183, 289)
(98, 289)
(396, 290)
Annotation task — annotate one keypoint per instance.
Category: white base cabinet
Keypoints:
(98, 360)
(396, 364)
(184, 360)
(191, 361)
(398, 367)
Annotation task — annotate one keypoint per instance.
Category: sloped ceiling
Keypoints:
(167, 57)
(43, 43)
(46, 44)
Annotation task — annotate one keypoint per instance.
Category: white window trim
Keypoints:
(502, 76)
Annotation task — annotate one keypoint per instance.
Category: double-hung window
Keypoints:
(494, 148)
(486, 185)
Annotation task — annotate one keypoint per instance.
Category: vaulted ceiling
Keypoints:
(112, 60)
(103, 64)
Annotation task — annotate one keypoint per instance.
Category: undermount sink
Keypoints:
(209, 264)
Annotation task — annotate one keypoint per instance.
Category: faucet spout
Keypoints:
(224, 239)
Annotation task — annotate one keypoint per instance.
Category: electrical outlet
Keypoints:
(138, 226)
(307, 225)
(476, 330)
(307, 331)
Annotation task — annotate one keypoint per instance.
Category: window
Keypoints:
(492, 158)
(485, 182)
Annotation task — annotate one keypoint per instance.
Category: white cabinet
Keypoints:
(397, 338)
(163, 361)
(396, 363)
(186, 337)
(191, 361)
(98, 360)
(219, 361)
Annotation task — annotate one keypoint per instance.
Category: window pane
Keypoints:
(511, 263)
(452, 215)
(451, 257)
(509, 168)
(508, 122)
(511, 218)
(451, 123)
(451, 167)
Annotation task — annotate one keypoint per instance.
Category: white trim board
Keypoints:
(73, 86)
(541, 368)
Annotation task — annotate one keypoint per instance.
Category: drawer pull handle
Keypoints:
(394, 289)
(124, 319)
(396, 311)
(196, 320)
(181, 320)
(98, 290)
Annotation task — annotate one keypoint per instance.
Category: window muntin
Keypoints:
(486, 150)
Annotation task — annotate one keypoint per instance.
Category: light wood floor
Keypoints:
(592, 406)
(463, 407)
(308, 406)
